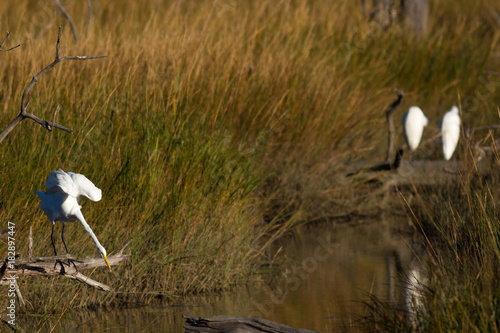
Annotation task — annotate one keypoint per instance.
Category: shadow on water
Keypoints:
(329, 270)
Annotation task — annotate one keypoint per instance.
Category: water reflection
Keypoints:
(330, 270)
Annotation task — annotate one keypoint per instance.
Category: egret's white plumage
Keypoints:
(61, 202)
(414, 122)
(450, 132)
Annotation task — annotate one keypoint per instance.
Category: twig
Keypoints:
(3, 42)
(20, 298)
(50, 126)
(85, 279)
(30, 243)
(389, 158)
(70, 20)
(491, 72)
(89, 20)
(23, 114)
(120, 251)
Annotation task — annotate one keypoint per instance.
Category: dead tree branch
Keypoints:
(89, 20)
(390, 125)
(30, 243)
(20, 298)
(69, 19)
(24, 104)
(49, 266)
(3, 42)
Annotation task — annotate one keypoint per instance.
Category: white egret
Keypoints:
(61, 203)
(414, 122)
(450, 132)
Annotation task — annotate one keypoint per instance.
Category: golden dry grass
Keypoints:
(206, 118)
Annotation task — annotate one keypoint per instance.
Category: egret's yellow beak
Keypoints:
(107, 262)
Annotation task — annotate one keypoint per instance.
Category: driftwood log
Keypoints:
(66, 266)
(230, 324)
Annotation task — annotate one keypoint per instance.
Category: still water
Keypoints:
(329, 271)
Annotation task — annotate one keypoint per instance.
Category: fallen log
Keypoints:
(231, 324)
(57, 265)
(419, 172)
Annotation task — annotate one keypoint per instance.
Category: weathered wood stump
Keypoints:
(230, 324)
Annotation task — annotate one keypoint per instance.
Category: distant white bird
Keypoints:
(61, 203)
(414, 122)
(450, 132)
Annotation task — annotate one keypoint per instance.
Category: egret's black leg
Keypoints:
(55, 252)
(70, 261)
(62, 237)
(52, 238)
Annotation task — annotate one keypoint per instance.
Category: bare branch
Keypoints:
(390, 125)
(3, 42)
(51, 125)
(24, 105)
(30, 243)
(8, 282)
(70, 20)
(85, 279)
(120, 251)
(6, 36)
(89, 6)
(20, 298)
(491, 72)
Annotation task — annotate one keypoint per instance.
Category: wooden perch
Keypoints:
(23, 114)
(57, 265)
(3, 42)
(230, 324)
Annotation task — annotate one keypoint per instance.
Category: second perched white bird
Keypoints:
(61, 202)
(450, 132)
(414, 122)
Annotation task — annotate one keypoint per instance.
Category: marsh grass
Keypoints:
(210, 127)
(460, 226)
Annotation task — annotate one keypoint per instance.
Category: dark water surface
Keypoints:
(330, 270)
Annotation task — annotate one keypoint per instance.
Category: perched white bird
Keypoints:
(450, 132)
(61, 203)
(414, 122)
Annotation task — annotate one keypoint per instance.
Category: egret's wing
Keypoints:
(63, 182)
(413, 126)
(450, 130)
(86, 187)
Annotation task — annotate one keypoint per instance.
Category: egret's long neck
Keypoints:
(91, 233)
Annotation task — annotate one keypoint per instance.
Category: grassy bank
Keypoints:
(210, 122)
(460, 228)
